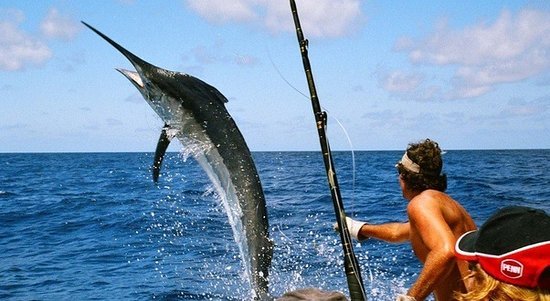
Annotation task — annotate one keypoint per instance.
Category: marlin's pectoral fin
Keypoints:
(166, 136)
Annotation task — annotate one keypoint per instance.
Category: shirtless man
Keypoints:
(435, 223)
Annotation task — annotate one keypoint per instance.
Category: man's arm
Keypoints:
(391, 232)
(429, 225)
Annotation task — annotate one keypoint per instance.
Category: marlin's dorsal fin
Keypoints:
(164, 140)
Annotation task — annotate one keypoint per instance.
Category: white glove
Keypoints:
(353, 226)
(402, 297)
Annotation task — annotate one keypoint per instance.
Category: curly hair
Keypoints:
(427, 155)
(486, 287)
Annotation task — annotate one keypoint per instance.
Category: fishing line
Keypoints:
(282, 76)
(336, 119)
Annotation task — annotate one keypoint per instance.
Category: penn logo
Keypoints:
(511, 268)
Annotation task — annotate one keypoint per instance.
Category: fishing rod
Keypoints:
(353, 274)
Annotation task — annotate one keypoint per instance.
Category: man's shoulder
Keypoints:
(429, 200)
(433, 203)
(431, 195)
(422, 203)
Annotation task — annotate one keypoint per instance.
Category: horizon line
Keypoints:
(270, 151)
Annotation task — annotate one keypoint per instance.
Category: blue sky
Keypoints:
(468, 74)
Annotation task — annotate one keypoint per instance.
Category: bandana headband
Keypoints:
(409, 164)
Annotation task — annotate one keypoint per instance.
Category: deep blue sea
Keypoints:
(94, 226)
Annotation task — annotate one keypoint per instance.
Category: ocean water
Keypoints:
(94, 226)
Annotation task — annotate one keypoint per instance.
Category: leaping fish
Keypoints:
(194, 112)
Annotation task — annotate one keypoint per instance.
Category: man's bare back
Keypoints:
(436, 222)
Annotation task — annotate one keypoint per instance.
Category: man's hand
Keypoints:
(354, 228)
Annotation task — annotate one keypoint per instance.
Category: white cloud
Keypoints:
(215, 54)
(113, 122)
(245, 60)
(317, 17)
(463, 91)
(17, 48)
(401, 82)
(408, 85)
(221, 11)
(527, 109)
(57, 26)
(511, 49)
(15, 126)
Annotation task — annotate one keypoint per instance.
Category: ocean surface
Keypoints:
(94, 226)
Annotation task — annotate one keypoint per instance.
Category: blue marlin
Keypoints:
(194, 112)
